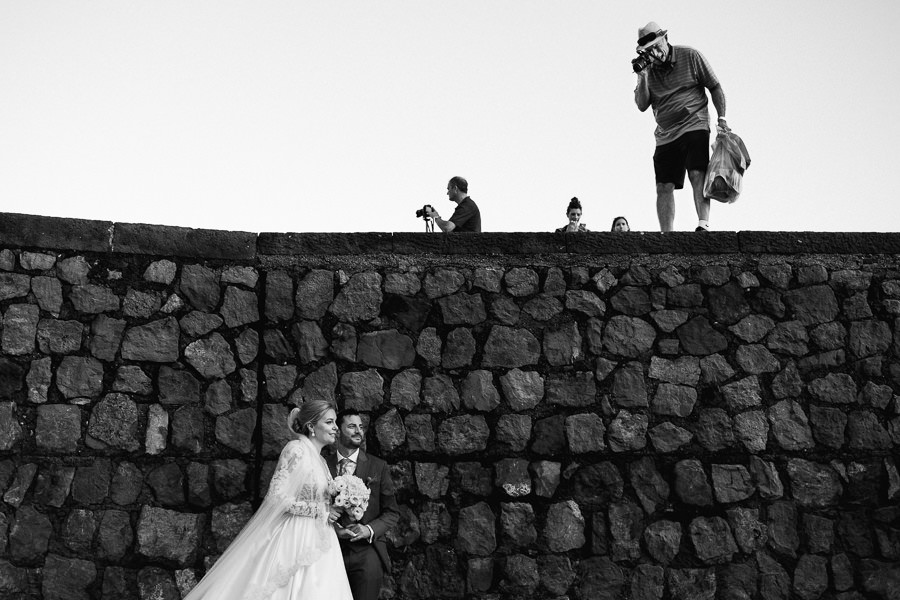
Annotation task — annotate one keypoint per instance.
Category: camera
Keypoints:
(422, 213)
(641, 62)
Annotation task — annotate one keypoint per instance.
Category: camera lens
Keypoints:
(640, 63)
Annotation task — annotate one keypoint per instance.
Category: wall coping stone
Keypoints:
(29, 231)
(774, 242)
(137, 238)
(34, 231)
(56, 233)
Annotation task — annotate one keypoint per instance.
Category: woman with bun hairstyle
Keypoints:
(289, 549)
(573, 213)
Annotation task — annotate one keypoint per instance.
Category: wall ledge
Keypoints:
(31, 231)
(34, 231)
(136, 238)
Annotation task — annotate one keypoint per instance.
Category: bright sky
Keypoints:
(348, 115)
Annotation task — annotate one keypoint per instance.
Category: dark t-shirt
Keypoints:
(466, 217)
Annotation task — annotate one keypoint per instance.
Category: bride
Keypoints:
(288, 550)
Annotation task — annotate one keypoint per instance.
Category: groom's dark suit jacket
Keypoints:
(382, 513)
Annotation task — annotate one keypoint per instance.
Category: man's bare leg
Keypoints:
(700, 203)
(665, 205)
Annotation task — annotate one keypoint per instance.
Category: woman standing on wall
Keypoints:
(289, 549)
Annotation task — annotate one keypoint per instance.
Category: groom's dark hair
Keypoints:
(347, 412)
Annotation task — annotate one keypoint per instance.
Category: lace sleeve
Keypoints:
(288, 462)
(311, 498)
(307, 508)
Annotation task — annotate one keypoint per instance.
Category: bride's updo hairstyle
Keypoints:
(303, 419)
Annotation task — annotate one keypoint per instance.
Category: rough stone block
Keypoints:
(67, 578)
(11, 432)
(585, 433)
(211, 357)
(359, 300)
(712, 540)
(155, 342)
(419, 433)
(58, 428)
(19, 330)
(511, 475)
(169, 535)
(388, 349)
(115, 422)
(564, 529)
(463, 434)
(432, 479)
(235, 430)
(476, 532)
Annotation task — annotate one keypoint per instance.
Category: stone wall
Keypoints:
(648, 416)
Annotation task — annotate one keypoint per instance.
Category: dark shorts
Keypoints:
(689, 152)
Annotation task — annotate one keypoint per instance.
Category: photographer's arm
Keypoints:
(446, 226)
(642, 92)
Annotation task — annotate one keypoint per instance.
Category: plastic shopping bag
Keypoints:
(725, 174)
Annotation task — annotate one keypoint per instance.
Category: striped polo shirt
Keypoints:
(678, 94)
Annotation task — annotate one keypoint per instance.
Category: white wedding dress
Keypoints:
(287, 551)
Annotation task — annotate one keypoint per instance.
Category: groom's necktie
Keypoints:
(344, 466)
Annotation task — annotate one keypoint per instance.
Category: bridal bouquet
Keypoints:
(350, 494)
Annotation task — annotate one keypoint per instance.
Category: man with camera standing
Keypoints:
(673, 80)
(466, 217)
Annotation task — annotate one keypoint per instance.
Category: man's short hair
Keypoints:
(461, 183)
(347, 412)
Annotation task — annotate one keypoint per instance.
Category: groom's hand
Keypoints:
(360, 532)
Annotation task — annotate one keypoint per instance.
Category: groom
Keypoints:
(365, 551)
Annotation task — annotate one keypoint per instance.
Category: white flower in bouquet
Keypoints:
(350, 494)
(356, 512)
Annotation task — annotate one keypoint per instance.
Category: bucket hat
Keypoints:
(649, 35)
